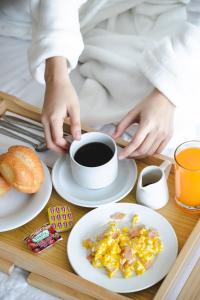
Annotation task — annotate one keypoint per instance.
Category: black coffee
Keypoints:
(93, 154)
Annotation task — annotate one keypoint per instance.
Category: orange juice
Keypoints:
(187, 175)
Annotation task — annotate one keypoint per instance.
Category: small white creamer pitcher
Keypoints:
(152, 190)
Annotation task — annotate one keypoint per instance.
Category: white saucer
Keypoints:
(17, 209)
(69, 190)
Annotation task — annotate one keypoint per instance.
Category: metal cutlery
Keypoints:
(9, 122)
(38, 147)
(15, 120)
(25, 132)
(19, 121)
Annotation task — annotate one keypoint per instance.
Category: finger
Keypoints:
(50, 143)
(137, 140)
(56, 127)
(74, 114)
(154, 147)
(125, 123)
(147, 144)
(150, 152)
(163, 144)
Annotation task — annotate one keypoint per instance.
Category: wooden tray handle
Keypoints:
(184, 264)
(6, 266)
(55, 289)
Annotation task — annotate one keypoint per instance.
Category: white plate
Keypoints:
(92, 223)
(69, 190)
(16, 209)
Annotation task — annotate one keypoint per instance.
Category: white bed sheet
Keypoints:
(15, 287)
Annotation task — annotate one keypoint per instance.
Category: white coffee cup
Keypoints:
(94, 177)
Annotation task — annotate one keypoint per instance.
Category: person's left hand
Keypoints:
(155, 117)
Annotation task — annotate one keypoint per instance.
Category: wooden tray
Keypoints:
(51, 270)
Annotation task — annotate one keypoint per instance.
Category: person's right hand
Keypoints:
(60, 101)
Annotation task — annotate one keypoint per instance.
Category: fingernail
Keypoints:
(120, 157)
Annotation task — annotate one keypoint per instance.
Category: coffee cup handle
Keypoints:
(166, 167)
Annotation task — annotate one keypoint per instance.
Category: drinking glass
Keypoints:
(187, 176)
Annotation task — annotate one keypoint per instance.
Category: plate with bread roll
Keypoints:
(25, 186)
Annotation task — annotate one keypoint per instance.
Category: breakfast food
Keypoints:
(4, 186)
(42, 238)
(131, 249)
(60, 217)
(22, 169)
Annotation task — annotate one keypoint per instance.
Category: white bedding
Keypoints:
(15, 287)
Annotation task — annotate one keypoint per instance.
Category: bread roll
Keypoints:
(22, 169)
(4, 186)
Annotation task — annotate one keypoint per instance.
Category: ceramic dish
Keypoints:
(69, 190)
(16, 209)
(90, 225)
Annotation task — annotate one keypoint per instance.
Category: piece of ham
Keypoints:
(117, 216)
(127, 254)
(115, 235)
(90, 257)
(89, 242)
(135, 231)
(100, 236)
(148, 264)
(152, 233)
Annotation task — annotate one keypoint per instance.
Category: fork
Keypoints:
(15, 120)
(24, 123)
(18, 129)
(41, 147)
(8, 122)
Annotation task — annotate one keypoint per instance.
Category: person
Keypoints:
(154, 43)
(154, 114)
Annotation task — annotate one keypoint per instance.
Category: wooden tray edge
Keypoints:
(55, 289)
(184, 264)
(57, 274)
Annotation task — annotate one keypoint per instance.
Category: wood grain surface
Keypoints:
(191, 289)
(182, 268)
(56, 289)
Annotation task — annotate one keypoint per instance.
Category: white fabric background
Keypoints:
(15, 287)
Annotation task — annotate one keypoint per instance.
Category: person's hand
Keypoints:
(60, 101)
(155, 117)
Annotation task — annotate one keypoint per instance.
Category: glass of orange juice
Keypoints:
(187, 176)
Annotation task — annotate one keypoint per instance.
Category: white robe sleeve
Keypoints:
(175, 62)
(55, 32)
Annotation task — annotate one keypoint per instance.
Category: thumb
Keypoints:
(130, 118)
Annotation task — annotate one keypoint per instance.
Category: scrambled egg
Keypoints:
(131, 250)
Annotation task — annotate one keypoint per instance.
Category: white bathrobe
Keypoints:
(131, 47)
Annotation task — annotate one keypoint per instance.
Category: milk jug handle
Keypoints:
(166, 167)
